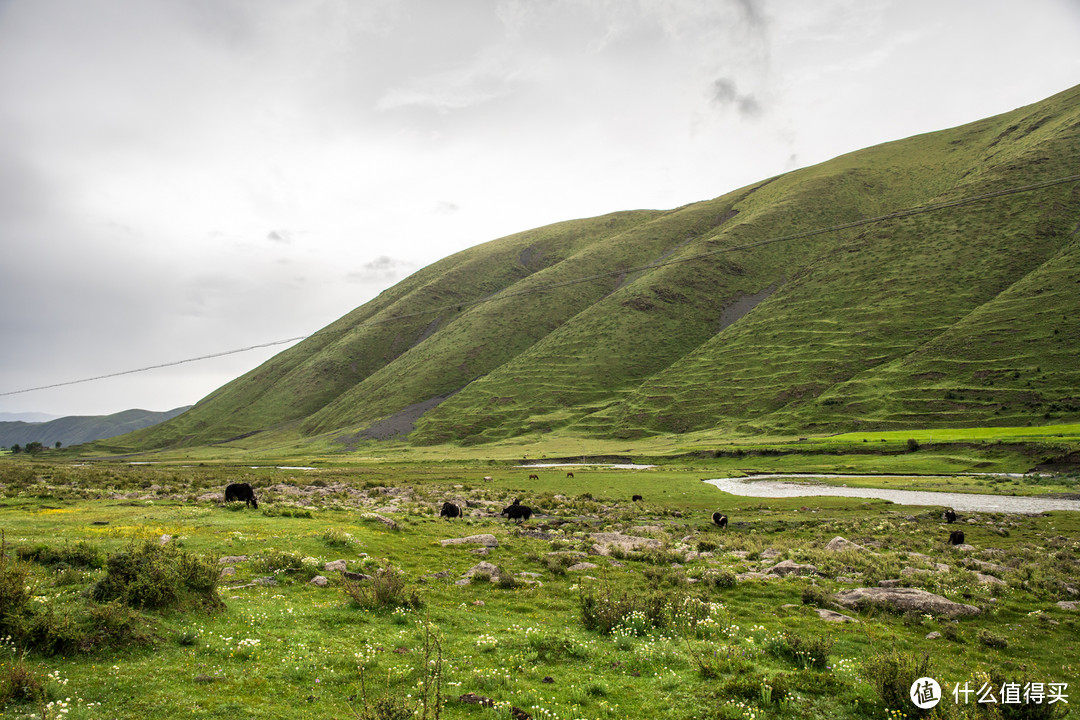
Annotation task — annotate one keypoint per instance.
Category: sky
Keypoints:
(181, 178)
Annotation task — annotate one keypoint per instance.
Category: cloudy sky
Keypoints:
(185, 177)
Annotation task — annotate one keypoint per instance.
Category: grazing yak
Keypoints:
(534, 477)
(450, 510)
(719, 519)
(569, 474)
(517, 511)
(949, 515)
(241, 492)
(636, 498)
(956, 537)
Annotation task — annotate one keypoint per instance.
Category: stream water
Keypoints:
(800, 485)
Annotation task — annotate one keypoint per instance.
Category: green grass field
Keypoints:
(666, 632)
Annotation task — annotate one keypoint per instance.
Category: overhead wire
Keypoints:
(898, 214)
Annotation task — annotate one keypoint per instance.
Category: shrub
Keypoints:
(991, 640)
(801, 650)
(912, 445)
(153, 576)
(891, 673)
(79, 555)
(20, 684)
(384, 591)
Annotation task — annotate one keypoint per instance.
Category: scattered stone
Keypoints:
(474, 699)
(391, 524)
(770, 554)
(903, 600)
(479, 603)
(965, 547)
(988, 567)
(889, 583)
(790, 567)
(232, 559)
(933, 636)
(266, 581)
(164, 539)
(743, 577)
(354, 576)
(579, 567)
(838, 544)
(604, 541)
(1068, 605)
(532, 575)
(740, 554)
(990, 580)
(487, 540)
(846, 579)
(336, 566)
(832, 616)
(485, 568)
(227, 572)
(319, 581)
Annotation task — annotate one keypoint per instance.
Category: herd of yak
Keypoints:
(242, 492)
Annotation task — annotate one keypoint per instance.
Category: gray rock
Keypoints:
(838, 544)
(336, 566)
(790, 567)
(227, 572)
(266, 581)
(743, 577)
(904, 600)
(832, 616)
(605, 541)
(933, 636)
(485, 568)
(232, 559)
(319, 581)
(984, 566)
(990, 580)
(889, 583)
(770, 554)
(480, 551)
(581, 567)
(487, 540)
(1069, 605)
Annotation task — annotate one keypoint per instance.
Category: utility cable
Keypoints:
(905, 213)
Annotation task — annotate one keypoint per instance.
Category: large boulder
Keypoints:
(838, 544)
(903, 599)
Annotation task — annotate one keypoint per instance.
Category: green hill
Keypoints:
(77, 429)
(730, 314)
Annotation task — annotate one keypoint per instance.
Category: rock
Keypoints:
(391, 524)
(743, 577)
(484, 568)
(843, 579)
(1069, 605)
(889, 583)
(933, 636)
(336, 566)
(581, 567)
(354, 576)
(904, 600)
(232, 559)
(319, 581)
(480, 551)
(266, 581)
(832, 616)
(990, 580)
(988, 567)
(770, 554)
(604, 541)
(838, 544)
(164, 539)
(964, 547)
(227, 572)
(474, 699)
(479, 603)
(790, 567)
(487, 540)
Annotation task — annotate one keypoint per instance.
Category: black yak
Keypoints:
(949, 515)
(241, 492)
(569, 475)
(450, 510)
(516, 511)
(636, 498)
(534, 477)
(719, 519)
(956, 537)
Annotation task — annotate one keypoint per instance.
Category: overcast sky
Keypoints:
(185, 177)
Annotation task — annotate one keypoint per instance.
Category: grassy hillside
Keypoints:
(699, 319)
(77, 429)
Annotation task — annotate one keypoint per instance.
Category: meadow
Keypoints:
(115, 600)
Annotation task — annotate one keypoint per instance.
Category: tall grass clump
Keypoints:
(891, 673)
(152, 576)
(386, 589)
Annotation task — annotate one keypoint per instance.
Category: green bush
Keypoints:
(891, 673)
(384, 591)
(79, 555)
(801, 650)
(153, 576)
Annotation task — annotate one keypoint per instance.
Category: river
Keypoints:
(770, 486)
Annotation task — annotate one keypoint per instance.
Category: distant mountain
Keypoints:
(79, 429)
(771, 309)
(30, 417)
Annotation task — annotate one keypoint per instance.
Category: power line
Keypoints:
(898, 214)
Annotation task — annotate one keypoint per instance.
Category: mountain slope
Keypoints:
(78, 429)
(735, 313)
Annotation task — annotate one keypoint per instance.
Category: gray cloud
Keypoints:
(724, 93)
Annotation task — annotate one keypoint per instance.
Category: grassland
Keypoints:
(668, 632)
